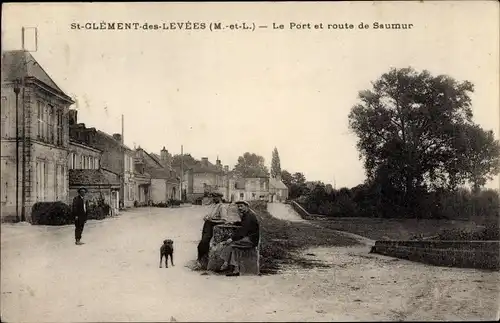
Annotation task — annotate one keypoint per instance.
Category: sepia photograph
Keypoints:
(264, 161)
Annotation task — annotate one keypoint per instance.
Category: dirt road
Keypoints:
(115, 277)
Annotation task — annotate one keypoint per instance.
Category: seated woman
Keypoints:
(246, 237)
(213, 218)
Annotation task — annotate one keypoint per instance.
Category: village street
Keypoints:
(115, 277)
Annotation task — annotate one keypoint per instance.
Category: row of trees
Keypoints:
(419, 146)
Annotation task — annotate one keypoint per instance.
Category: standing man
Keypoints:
(246, 237)
(80, 213)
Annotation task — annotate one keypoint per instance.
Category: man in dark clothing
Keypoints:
(246, 237)
(80, 214)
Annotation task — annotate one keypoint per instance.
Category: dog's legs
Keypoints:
(161, 258)
(166, 260)
(172, 258)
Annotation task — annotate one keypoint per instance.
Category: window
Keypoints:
(253, 195)
(241, 196)
(50, 123)
(56, 186)
(60, 127)
(98, 164)
(70, 161)
(6, 111)
(40, 119)
(45, 179)
(74, 160)
(82, 162)
(6, 169)
(41, 180)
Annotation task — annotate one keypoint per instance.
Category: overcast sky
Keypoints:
(227, 92)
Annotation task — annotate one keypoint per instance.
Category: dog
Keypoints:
(166, 250)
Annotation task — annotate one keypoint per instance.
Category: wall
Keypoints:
(129, 185)
(466, 254)
(77, 150)
(158, 190)
(45, 149)
(202, 178)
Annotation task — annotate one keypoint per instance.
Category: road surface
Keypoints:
(115, 277)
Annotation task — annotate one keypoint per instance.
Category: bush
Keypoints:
(174, 202)
(489, 233)
(51, 213)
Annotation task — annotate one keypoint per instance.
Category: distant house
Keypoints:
(249, 188)
(84, 170)
(164, 181)
(278, 192)
(204, 178)
(41, 131)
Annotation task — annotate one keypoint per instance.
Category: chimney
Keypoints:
(73, 117)
(117, 137)
(165, 157)
(204, 161)
(164, 154)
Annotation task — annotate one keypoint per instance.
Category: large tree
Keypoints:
(411, 130)
(251, 165)
(286, 178)
(275, 164)
(187, 160)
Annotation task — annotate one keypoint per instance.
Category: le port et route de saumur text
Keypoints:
(249, 26)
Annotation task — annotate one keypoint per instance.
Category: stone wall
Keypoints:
(465, 254)
(158, 190)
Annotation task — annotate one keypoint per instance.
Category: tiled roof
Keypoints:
(273, 182)
(18, 63)
(199, 167)
(102, 133)
(83, 177)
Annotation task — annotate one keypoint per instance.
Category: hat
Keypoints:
(242, 202)
(82, 188)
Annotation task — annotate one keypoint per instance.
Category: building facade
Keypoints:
(116, 157)
(278, 192)
(35, 139)
(204, 178)
(164, 181)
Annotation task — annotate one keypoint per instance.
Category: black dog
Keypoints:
(167, 249)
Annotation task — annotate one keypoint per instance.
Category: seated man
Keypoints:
(246, 237)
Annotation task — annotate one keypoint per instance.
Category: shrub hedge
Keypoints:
(51, 213)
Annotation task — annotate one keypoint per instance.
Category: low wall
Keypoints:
(464, 254)
(300, 210)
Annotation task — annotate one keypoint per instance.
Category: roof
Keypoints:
(18, 63)
(200, 167)
(102, 133)
(90, 177)
(74, 142)
(274, 182)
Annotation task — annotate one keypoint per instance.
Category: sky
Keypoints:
(223, 93)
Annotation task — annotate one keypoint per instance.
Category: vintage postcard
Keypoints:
(261, 161)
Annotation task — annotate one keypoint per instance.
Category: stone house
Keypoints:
(84, 170)
(164, 181)
(204, 178)
(34, 138)
(247, 189)
(278, 192)
(116, 156)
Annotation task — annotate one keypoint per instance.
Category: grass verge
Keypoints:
(396, 229)
(282, 240)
